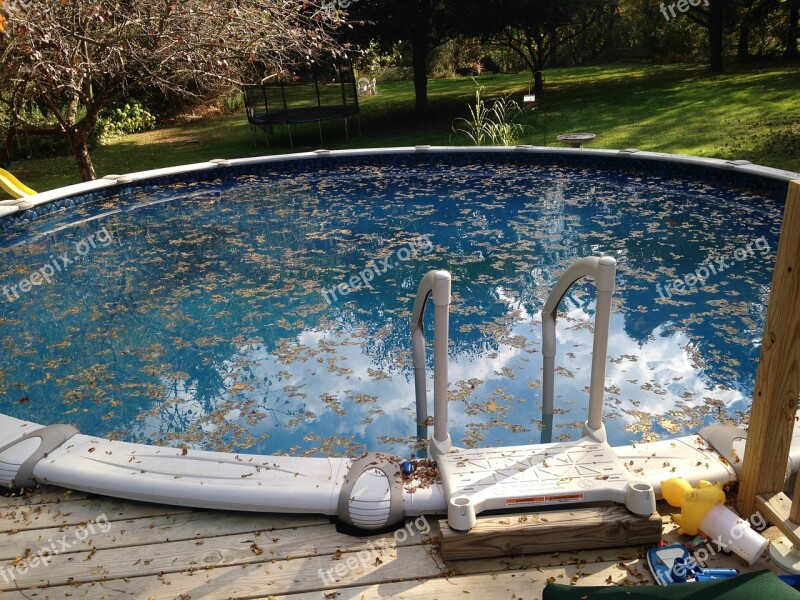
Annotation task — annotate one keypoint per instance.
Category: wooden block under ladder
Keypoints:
(578, 529)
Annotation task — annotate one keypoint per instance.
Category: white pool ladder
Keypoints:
(521, 477)
(603, 270)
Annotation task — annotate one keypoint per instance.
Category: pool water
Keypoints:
(270, 314)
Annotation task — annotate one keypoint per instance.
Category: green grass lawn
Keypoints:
(751, 114)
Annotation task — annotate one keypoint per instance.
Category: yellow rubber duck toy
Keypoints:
(704, 506)
(693, 502)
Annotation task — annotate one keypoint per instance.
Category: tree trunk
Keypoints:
(420, 64)
(744, 41)
(80, 151)
(421, 47)
(538, 82)
(716, 33)
(79, 142)
(609, 43)
(5, 152)
(794, 29)
(539, 58)
(456, 55)
(552, 37)
(72, 108)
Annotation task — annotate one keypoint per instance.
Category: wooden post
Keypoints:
(777, 388)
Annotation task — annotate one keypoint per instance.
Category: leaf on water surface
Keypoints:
(492, 406)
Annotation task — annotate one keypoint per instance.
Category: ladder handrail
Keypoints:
(603, 270)
(437, 284)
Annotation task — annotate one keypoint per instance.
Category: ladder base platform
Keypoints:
(552, 531)
(578, 472)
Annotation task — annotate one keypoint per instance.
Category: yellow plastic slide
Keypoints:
(14, 186)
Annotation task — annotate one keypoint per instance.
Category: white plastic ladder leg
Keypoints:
(437, 284)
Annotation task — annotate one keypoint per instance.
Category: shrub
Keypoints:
(24, 146)
(495, 126)
(233, 102)
(123, 118)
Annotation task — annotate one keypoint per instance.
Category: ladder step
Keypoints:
(534, 477)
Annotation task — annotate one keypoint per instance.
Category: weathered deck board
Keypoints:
(523, 585)
(250, 580)
(142, 531)
(561, 559)
(162, 552)
(198, 539)
(171, 557)
(45, 495)
(77, 512)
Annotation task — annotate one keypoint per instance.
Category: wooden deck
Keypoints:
(106, 548)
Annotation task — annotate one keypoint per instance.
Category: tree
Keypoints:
(714, 19)
(421, 31)
(533, 29)
(63, 61)
(793, 29)
(750, 14)
(716, 35)
(419, 22)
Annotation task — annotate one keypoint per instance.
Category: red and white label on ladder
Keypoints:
(533, 500)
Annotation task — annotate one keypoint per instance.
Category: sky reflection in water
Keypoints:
(204, 323)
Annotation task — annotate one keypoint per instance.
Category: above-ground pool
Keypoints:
(263, 306)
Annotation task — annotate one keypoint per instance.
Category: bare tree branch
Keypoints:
(56, 52)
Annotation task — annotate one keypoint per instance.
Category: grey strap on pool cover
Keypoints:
(373, 460)
(52, 436)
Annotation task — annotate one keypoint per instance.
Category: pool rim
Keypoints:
(10, 208)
